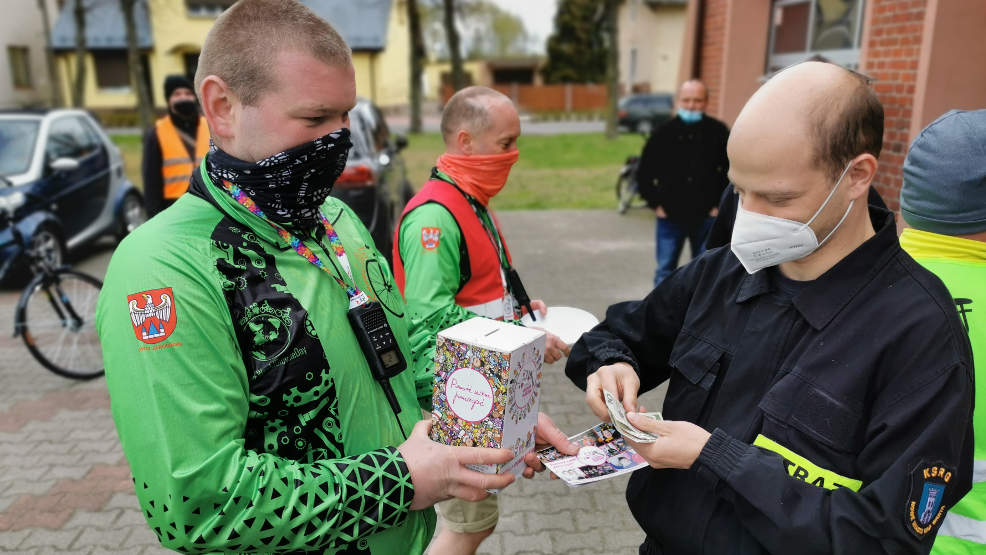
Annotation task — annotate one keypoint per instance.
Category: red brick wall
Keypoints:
(713, 43)
(893, 50)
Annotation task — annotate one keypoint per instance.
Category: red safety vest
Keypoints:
(482, 291)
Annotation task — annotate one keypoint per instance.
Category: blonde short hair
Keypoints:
(243, 44)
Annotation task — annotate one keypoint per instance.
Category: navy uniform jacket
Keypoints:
(840, 419)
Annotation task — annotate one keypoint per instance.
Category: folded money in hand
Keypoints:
(619, 417)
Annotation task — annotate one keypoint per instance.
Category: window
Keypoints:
(207, 8)
(381, 133)
(69, 137)
(633, 67)
(17, 138)
(112, 69)
(20, 66)
(191, 60)
(801, 29)
(661, 102)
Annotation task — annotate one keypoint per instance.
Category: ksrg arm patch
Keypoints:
(925, 507)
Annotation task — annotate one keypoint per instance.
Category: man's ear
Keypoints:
(463, 142)
(220, 106)
(861, 174)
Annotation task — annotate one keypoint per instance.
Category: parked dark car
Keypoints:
(374, 183)
(62, 179)
(641, 113)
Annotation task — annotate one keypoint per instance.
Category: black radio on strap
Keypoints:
(379, 346)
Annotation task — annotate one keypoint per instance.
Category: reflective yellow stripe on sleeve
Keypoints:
(805, 470)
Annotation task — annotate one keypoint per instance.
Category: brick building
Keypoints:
(925, 56)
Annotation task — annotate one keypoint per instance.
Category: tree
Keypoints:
(452, 34)
(489, 31)
(611, 28)
(79, 85)
(145, 112)
(575, 49)
(496, 33)
(417, 54)
(56, 89)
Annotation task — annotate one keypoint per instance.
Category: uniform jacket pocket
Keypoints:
(697, 366)
(794, 403)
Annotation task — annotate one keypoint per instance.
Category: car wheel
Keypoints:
(645, 127)
(132, 214)
(48, 246)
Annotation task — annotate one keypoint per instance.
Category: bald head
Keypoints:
(693, 95)
(479, 120)
(825, 112)
(694, 87)
(471, 109)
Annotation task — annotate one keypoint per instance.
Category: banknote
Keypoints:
(618, 416)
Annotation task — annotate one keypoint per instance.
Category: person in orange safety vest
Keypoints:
(174, 147)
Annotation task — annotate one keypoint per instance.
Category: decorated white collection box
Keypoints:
(487, 383)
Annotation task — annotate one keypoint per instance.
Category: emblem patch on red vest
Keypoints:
(153, 314)
(430, 237)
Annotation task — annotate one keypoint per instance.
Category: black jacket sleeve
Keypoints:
(640, 333)
(646, 172)
(150, 169)
(927, 427)
(651, 161)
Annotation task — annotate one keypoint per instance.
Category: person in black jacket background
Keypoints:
(682, 174)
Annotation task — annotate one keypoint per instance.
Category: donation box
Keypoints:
(487, 382)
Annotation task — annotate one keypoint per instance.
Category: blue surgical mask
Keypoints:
(689, 116)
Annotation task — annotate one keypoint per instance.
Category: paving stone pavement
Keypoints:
(65, 486)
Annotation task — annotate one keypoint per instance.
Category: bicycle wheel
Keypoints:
(56, 319)
(626, 190)
(384, 288)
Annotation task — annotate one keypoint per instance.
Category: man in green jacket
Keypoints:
(452, 264)
(943, 199)
(243, 396)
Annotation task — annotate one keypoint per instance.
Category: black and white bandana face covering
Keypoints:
(289, 186)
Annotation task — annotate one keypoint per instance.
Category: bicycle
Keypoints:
(627, 193)
(55, 316)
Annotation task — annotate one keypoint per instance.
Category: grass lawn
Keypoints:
(130, 148)
(554, 172)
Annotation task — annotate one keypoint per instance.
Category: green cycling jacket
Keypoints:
(243, 402)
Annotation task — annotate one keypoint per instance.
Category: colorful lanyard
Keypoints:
(356, 297)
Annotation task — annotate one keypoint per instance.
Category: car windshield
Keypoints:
(17, 138)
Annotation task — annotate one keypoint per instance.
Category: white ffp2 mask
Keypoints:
(760, 241)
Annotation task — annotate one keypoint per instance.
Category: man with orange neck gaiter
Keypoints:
(452, 264)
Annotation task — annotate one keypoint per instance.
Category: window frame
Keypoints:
(846, 57)
(89, 138)
(96, 65)
(19, 57)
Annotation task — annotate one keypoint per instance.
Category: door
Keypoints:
(77, 197)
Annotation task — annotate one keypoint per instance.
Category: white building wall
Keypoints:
(650, 45)
(21, 25)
